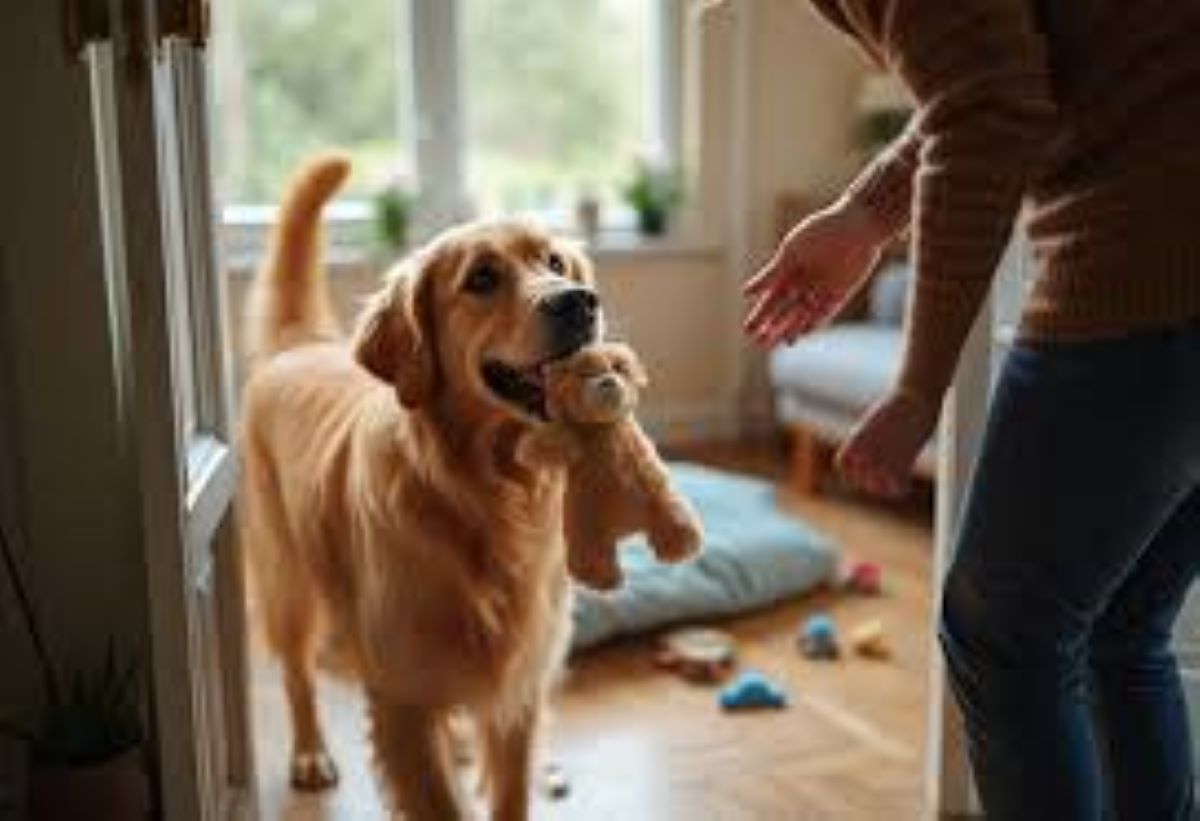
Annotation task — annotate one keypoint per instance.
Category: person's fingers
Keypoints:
(816, 310)
(797, 325)
(765, 276)
(764, 311)
(849, 462)
(801, 317)
(874, 479)
(778, 306)
(801, 325)
(799, 320)
(870, 475)
(823, 302)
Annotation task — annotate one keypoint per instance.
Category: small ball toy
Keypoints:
(865, 579)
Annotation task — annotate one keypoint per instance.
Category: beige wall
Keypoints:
(770, 96)
(662, 303)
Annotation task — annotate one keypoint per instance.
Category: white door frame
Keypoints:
(948, 785)
(150, 109)
(949, 789)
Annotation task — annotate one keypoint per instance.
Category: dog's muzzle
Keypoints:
(572, 317)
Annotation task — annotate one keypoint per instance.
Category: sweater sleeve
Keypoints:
(978, 73)
(885, 187)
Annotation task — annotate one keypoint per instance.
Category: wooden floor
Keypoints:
(640, 745)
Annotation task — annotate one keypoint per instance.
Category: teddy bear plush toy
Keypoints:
(616, 482)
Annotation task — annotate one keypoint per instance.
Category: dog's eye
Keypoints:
(556, 263)
(482, 279)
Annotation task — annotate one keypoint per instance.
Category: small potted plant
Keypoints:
(652, 193)
(85, 747)
(393, 207)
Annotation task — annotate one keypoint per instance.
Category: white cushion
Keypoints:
(847, 366)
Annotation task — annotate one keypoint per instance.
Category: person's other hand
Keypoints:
(879, 455)
(813, 273)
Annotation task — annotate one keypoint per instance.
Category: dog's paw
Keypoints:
(313, 771)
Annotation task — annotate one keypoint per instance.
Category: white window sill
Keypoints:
(629, 246)
(245, 231)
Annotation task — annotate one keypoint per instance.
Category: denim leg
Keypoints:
(1140, 706)
(1089, 450)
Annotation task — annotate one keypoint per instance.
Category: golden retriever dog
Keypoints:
(382, 504)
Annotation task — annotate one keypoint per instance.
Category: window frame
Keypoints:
(431, 84)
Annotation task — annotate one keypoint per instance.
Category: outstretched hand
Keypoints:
(813, 273)
(880, 453)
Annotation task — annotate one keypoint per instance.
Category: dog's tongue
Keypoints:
(535, 373)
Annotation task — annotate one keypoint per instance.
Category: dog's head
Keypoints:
(477, 314)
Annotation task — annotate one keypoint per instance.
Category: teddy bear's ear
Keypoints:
(626, 363)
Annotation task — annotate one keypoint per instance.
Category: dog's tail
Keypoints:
(290, 302)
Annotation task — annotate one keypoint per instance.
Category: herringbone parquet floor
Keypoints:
(640, 745)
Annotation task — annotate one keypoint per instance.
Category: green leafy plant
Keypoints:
(653, 192)
(393, 207)
(97, 717)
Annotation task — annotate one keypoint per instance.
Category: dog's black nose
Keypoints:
(575, 308)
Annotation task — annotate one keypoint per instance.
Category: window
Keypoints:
(556, 99)
(539, 102)
(291, 78)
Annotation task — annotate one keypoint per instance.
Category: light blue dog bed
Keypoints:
(754, 555)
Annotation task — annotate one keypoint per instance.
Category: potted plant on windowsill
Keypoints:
(393, 207)
(653, 193)
(85, 748)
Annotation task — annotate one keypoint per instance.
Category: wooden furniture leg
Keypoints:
(810, 461)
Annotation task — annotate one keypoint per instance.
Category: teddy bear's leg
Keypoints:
(592, 560)
(674, 529)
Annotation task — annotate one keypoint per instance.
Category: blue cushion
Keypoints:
(754, 555)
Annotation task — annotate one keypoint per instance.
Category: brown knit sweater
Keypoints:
(1089, 111)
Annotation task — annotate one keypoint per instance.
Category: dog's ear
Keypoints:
(394, 339)
(626, 362)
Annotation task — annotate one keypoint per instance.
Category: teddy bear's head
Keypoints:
(597, 385)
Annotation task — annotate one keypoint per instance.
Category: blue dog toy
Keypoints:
(818, 639)
(753, 690)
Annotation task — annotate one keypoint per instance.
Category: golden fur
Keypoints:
(616, 482)
(382, 503)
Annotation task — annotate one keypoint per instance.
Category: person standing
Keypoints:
(1081, 534)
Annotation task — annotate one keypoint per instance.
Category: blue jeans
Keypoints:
(1079, 541)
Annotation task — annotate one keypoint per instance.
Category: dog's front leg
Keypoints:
(510, 761)
(412, 756)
